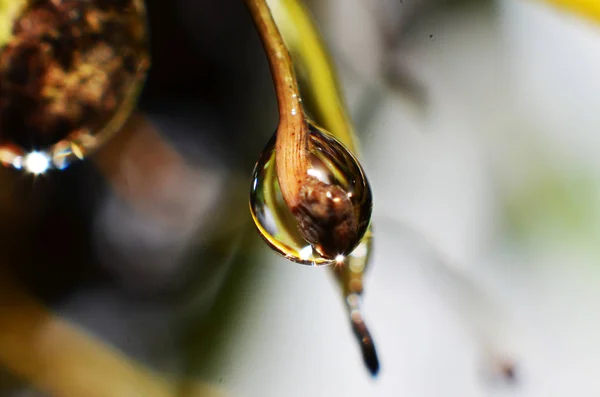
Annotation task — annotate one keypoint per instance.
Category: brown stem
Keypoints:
(292, 133)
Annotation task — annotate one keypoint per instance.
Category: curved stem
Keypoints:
(292, 132)
(323, 91)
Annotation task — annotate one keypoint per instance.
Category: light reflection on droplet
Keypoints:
(36, 163)
(306, 253)
(318, 174)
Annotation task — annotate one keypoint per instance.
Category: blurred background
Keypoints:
(478, 123)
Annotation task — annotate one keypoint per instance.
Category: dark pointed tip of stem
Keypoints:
(509, 372)
(370, 358)
(367, 347)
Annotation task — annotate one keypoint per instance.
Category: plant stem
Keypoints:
(292, 159)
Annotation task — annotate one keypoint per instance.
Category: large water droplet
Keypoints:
(333, 165)
(70, 71)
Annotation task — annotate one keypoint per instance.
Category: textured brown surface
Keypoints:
(326, 218)
(68, 68)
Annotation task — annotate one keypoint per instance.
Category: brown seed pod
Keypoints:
(326, 218)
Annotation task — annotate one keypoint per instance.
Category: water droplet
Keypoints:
(333, 165)
(70, 72)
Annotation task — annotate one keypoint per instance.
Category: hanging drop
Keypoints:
(332, 165)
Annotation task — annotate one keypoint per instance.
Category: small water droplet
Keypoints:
(331, 164)
(70, 72)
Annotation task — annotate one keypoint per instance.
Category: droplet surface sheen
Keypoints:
(332, 164)
(70, 72)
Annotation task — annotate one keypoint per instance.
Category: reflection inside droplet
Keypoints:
(331, 164)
